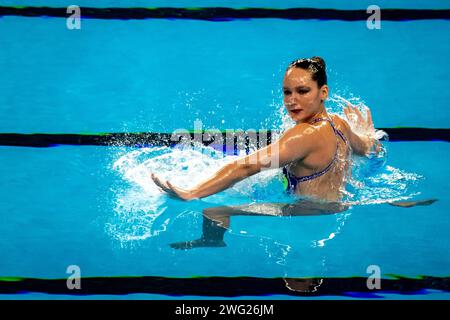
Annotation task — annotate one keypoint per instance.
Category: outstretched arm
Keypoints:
(295, 144)
(362, 132)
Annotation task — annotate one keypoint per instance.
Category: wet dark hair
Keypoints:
(315, 65)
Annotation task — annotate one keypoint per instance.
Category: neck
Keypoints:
(322, 113)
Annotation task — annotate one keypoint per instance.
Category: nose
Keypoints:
(291, 99)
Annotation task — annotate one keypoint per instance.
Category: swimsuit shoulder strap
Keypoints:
(320, 119)
(336, 130)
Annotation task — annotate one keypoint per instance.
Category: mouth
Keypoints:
(295, 111)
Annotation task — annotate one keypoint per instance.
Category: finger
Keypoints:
(159, 183)
(174, 189)
(358, 113)
(156, 179)
(171, 187)
(351, 117)
(369, 116)
(347, 108)
(347, 112)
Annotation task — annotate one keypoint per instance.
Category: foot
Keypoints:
(409, 204)
(185, 245)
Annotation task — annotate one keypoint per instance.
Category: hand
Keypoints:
(363, 127)
(171, 190)
(357, 120)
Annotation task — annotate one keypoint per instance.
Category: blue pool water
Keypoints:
(95, 207)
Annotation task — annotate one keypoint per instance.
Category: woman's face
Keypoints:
(302, 97)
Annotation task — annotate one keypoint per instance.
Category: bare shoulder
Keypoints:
(341, 124)
(301, 129)
(302, 135)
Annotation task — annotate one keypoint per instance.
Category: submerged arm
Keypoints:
(294, 144)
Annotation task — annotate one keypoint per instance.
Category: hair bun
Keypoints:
(319, 61)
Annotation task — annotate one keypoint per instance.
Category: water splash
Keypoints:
(337, 104)
(388, 185)
(140, 205)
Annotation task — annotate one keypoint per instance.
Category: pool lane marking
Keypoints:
(144, 139)
(221, 14)
(225, 286)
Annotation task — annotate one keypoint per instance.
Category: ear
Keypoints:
(324, 93)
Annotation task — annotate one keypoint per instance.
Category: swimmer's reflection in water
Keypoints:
(216, 220)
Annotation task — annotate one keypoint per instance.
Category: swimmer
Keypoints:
(314, 154)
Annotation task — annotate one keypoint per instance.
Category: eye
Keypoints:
(286, 92)
(302, 91)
